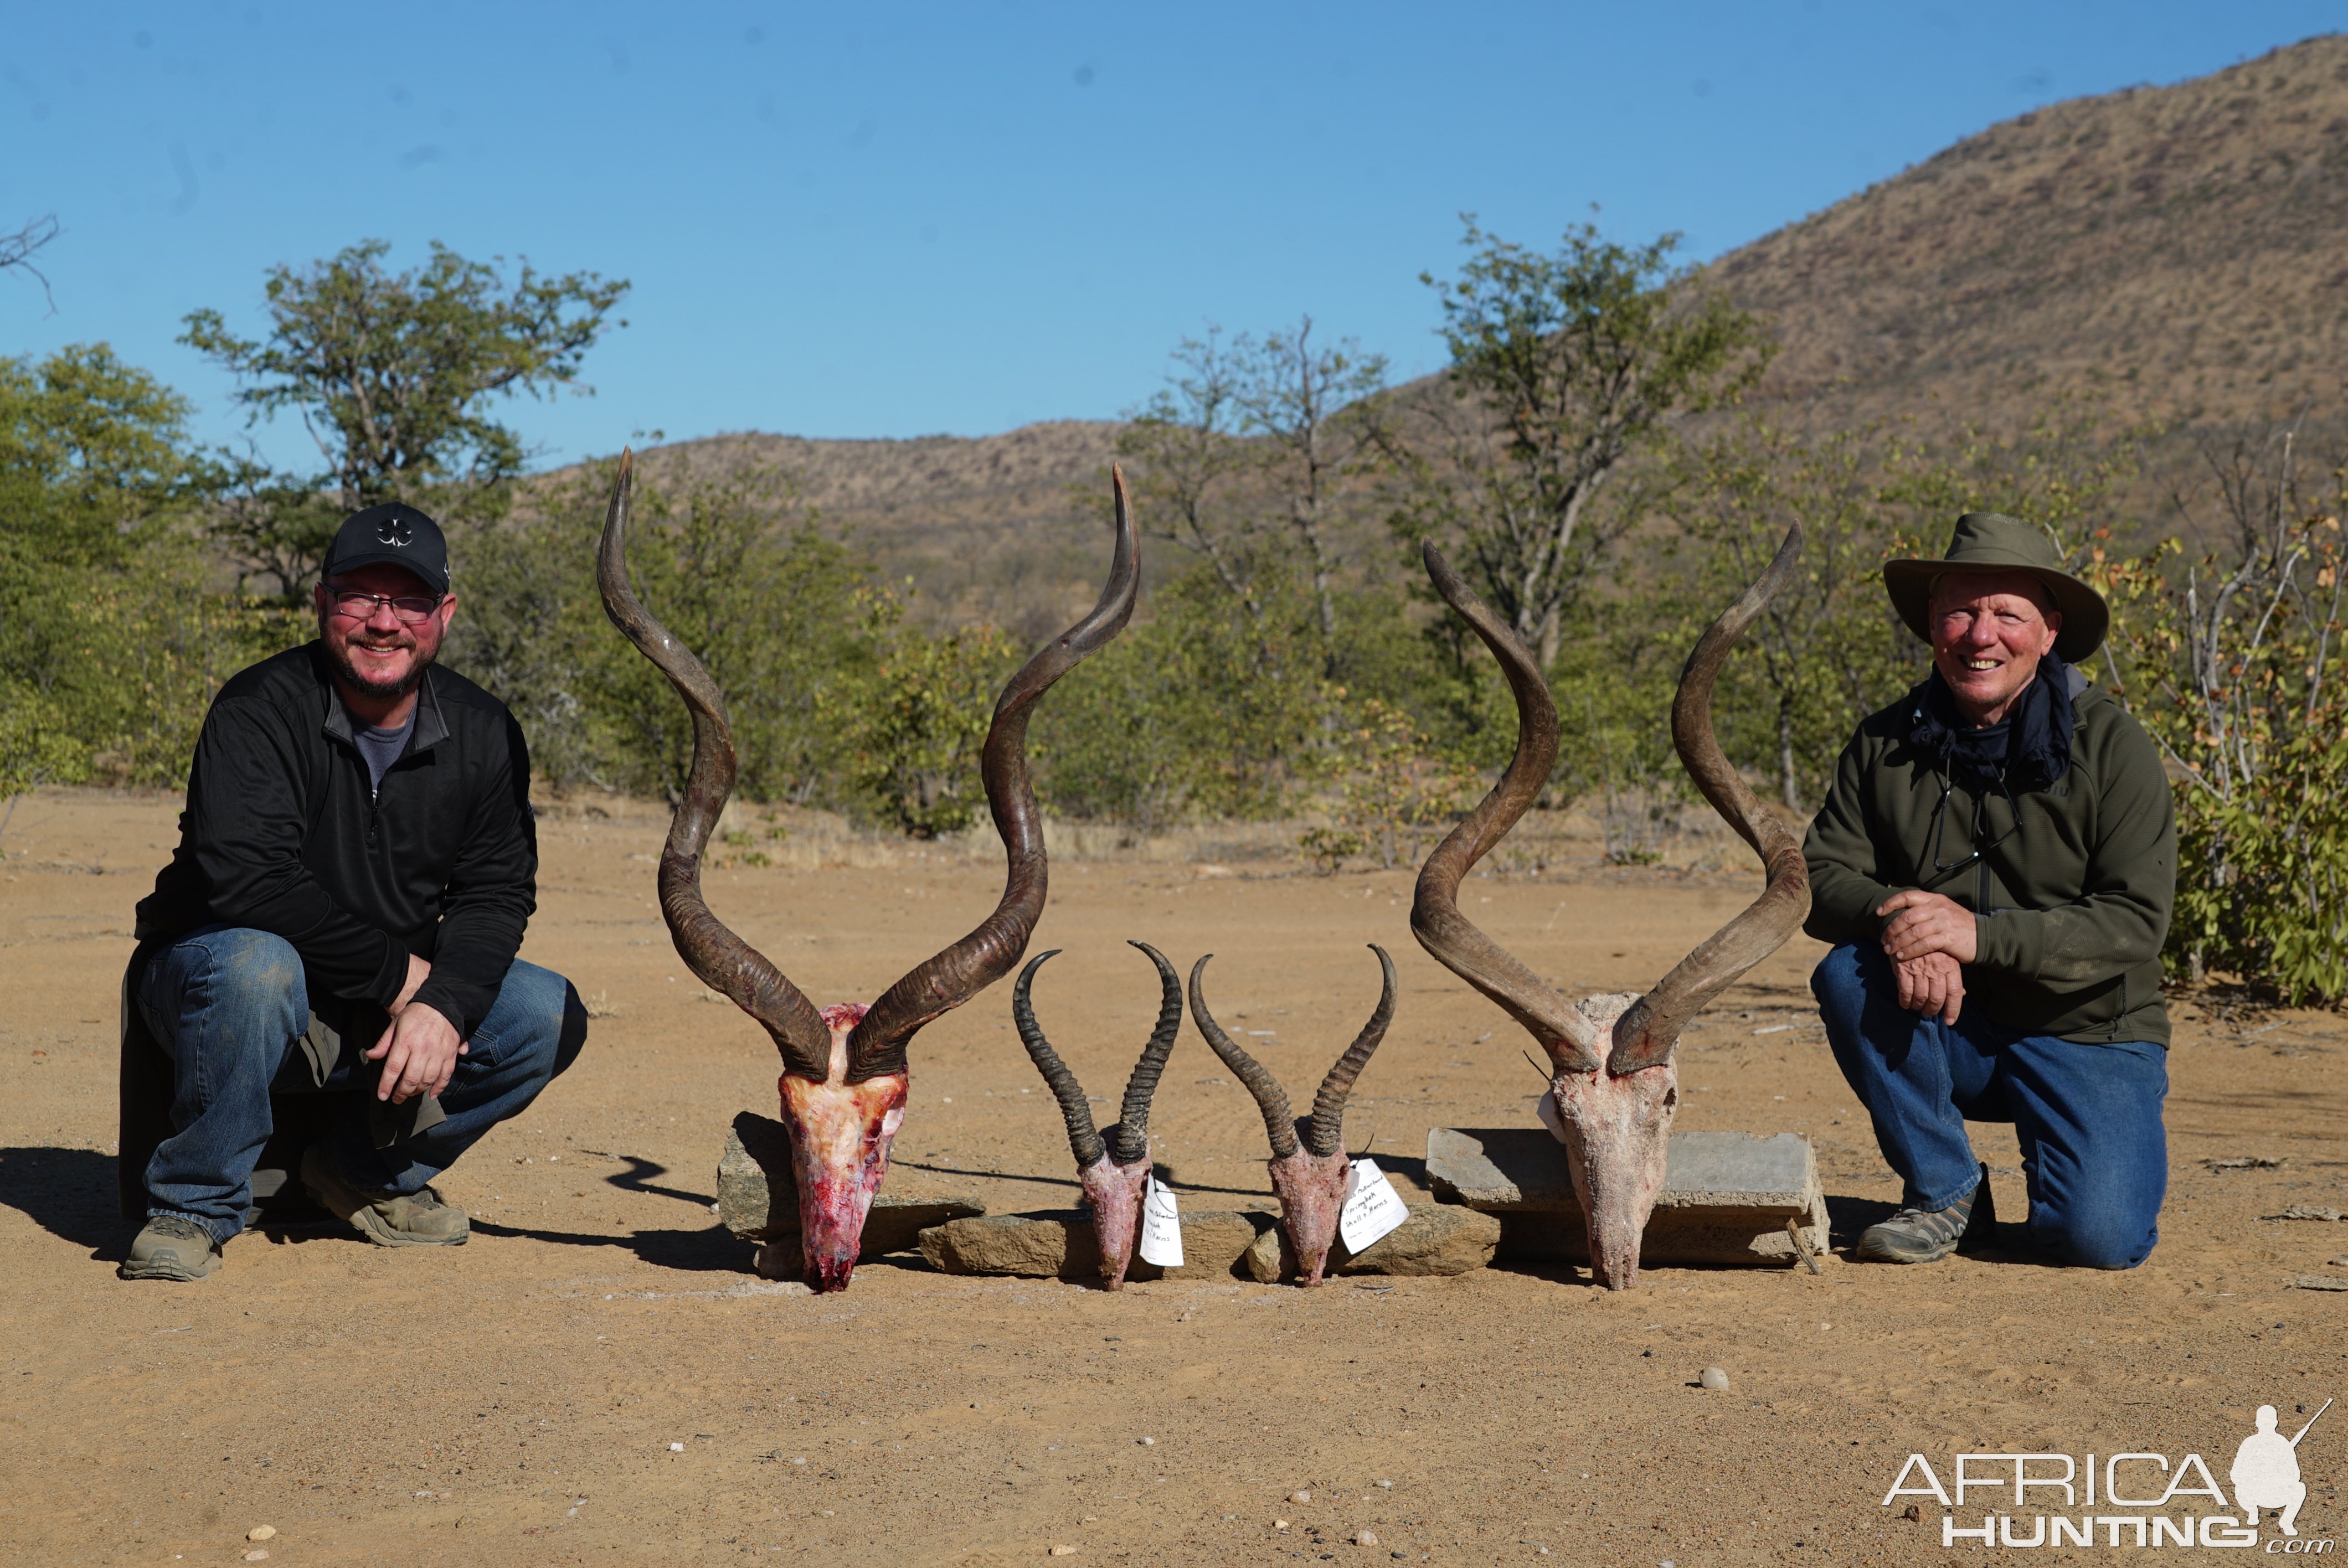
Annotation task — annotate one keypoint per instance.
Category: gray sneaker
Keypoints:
(170, 1247)
(1928, 1235)
(386, 1219)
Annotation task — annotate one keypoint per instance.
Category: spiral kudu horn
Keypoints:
(1129, 1140)
(1435, 918)
(729, 965)
(725, 962)
(960, 972)
(1649, 1031)
(1324, 1131)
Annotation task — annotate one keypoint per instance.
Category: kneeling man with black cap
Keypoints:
(1996, 864)
(355, 865)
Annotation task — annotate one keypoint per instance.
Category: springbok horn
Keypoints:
(1325, 1133)
(1084, 1139)
(725, 962)
(1434, 917)
(953, 976)
(1649, 1031)
(1279, 1122)
(1129, 1139)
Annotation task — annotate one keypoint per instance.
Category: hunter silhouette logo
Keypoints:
(2266, 1471)
(398, 532)
(2122, 1499)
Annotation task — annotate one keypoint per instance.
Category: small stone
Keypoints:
(1715, 1379)
(1366, 1538)
(1146, 1442)
(258, 1554)
(262, 1532)
(1063, 1551)
(1299, 1497)
(1387, 1484)
(1280, 1524)
(676, 1448)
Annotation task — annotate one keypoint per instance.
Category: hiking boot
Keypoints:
(1928, 1235)
(170, 1247)
(386, 1219)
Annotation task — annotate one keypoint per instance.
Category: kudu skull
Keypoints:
(1308, 1162)
(1113, 1167)
(844, 1079)
(1615, 1107)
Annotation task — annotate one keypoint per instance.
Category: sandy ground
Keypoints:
(518, 1399)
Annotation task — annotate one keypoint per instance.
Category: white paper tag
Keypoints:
(1372, 1207)
(1161, 1227)
(1549, 1118)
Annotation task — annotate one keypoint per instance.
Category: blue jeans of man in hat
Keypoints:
(2094, 1151)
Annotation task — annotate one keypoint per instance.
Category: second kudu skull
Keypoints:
(844, 1080)
(1615, 1085)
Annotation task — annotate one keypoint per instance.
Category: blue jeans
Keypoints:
(2094, 1151)
(227, 1004)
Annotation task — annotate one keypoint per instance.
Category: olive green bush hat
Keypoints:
(1991, 541)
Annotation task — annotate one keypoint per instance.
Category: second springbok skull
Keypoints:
(1308, 1162)
(844, 1080)
(1614, 1101)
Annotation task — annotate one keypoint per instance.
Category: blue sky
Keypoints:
(902, 220)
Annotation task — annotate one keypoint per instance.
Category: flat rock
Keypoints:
(1727, 1195)
(759, 1196)
(1061, 1245)
(1438, 1239)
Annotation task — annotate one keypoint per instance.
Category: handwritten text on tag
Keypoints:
(1372, 1207)
(1161, 1227)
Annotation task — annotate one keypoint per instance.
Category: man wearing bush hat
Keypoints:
(1994, 864)
(355, 865)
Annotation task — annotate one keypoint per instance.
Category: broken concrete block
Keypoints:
(1062, 1246)
(1438, 1239)
(758, 1196)
(1727, 1195)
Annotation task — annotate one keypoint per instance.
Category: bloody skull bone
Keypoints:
(1308, 1162)
(844, 1079)
(1112, 1167)
(1615, 1110)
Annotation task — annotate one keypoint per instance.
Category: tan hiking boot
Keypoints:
(386, 1219)
(170, 1247)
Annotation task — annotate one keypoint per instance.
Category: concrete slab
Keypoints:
(1727, 1195)
(759, 1196)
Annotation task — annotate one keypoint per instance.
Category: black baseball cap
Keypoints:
(395, 534)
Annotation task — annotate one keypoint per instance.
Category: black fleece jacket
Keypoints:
(284, 834)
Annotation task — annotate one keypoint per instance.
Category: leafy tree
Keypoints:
(1563, 367)
(915, 726)
(2229, 659)
(1254, 453)
(394, 375)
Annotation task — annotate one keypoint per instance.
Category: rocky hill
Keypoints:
(2180, 251)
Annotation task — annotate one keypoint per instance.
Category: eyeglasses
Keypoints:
(410, 608)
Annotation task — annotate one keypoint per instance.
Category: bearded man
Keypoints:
(1995, 864)
(357, 864)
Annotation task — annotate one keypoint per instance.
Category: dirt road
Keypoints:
(596, 1378)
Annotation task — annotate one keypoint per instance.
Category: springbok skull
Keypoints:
(1113, 1168)
(1308, 1162)
(1615, 1110)
(844, 1079)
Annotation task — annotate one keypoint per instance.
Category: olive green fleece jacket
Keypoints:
(2071, 892)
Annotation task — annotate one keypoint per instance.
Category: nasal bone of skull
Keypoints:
(840, 1133)
(1116, 1193)
(1312, 1191)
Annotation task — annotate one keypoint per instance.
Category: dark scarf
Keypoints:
(2030, 751)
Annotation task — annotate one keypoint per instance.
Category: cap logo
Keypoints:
(395, 530)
